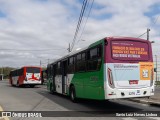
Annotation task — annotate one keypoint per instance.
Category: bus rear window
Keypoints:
(32, 70)
(129, 50)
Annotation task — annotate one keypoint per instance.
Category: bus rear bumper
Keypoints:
(129, 93)
(35, 82)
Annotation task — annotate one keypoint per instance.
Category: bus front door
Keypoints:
(64, 76)
(54, 74)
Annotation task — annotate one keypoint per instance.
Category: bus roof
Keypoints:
(31, 66)
(24, 67)
(126, 38)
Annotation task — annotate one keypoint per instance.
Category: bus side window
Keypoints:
(100, 51)
(54, 70)
(48, 71)
(58, 68)
(81, 62)
(16, 73)
(93, 53)
(20, 72)
(78, 60)
(94, 57)
(71, 65)
(55, 67)
(51, 70)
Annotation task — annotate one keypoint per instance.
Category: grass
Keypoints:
(157, 83)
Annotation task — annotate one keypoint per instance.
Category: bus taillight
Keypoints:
(110, 78)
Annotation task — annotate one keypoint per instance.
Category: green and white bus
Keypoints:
(111, 68)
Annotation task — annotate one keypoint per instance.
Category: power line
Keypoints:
(156, 20)
(151, 27)
(142, 34)
(86, 19)
(79, 23)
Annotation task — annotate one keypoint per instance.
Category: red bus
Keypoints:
(27, 75)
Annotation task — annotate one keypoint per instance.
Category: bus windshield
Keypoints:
(32, 70)
(129, 50)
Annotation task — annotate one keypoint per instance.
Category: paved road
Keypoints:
(38, 99)
(157, 89)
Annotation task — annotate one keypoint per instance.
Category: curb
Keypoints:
(153, 103)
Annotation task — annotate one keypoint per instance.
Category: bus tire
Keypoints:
(73, 94)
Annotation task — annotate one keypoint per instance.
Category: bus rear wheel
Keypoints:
(73, 94)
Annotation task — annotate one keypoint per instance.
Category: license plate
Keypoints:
(133, 82)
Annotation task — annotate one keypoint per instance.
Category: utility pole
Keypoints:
(148, 33)
(48, 61)
(40, 63)
(69, 48)
(1, 75)
(156, 67)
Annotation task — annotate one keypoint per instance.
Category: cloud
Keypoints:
(51, 24)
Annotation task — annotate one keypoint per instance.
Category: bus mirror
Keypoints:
(155, 69)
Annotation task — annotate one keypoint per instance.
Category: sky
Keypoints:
(41, 30)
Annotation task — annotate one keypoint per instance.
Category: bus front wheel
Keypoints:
(73, 94)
